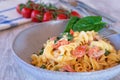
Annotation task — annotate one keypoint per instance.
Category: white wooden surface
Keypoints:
(9, 70)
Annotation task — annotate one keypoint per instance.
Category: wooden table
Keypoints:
(9, 70)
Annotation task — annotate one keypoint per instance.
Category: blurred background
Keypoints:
(110, 7)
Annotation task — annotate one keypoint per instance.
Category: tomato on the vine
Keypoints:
(26, 12)
(61, 16)
(36, 16)
(30, 4)
(20, 7)
(74, 13)
(47, 16)
(39, 12)
(59, 11)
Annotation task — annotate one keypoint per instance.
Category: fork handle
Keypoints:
(115, 27)
(96, 12)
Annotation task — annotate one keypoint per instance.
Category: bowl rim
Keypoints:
(56, 72)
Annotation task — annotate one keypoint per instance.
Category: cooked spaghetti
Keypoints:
(76, 52)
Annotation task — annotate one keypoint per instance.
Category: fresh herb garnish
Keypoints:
(69, 37)
(85, 24)
(43, 66)
(41, 51)
(58, 38)
(106, 52)
(70, 24)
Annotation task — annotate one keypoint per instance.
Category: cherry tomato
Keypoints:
(74, 13)
(36, 16)
(26, 12)
(47, 16)
(61, 16)
(20, 7)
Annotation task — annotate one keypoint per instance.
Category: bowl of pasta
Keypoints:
(53, 51)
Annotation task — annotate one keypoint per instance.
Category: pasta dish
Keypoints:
(75, 51)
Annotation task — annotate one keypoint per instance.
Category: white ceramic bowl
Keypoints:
(32, 39)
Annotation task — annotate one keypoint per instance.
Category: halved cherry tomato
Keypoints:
(26, 12)
(61, 16)
(36, 16)
(79, 51)
(47, 16)
(74, 13)
(20, 7)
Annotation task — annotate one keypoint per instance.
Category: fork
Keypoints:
(96, 12)
(74, 6)
(110, 29)
(86, 10)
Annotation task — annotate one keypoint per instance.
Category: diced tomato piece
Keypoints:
(79, 51)
(63, 42)
(95, 52)
(60, 43)
(71, 32)
(52, 38)
(68, 68)
(55, 46)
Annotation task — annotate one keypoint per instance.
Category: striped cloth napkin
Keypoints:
(9, 16)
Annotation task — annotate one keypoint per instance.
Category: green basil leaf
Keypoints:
(106, 52)
(70, 23)
(41, 51)
(85, 24)
(69, 37)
